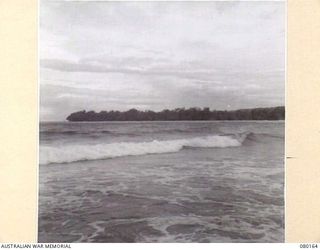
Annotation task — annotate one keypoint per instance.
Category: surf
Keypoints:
(74, 153)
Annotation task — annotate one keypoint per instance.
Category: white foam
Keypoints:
(71, 153)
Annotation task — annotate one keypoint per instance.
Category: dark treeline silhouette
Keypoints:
(275, 113)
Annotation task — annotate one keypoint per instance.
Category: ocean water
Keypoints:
(185, 181)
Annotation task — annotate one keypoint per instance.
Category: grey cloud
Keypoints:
(156, 55)
(187, 70)
(68, 66)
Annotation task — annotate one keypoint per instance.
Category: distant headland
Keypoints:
(180, 114)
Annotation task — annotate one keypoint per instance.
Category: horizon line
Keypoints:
(144, 110)
(228, 110)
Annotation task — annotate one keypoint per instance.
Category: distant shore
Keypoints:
(180, 114)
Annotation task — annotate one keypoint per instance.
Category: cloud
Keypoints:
(155, 55)
(181, 72)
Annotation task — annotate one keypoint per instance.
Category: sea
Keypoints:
(161, 181)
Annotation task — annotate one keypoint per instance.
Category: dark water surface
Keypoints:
(161, 182)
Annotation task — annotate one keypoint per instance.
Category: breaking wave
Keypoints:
(73, 153)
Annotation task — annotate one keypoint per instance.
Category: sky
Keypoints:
(160, 55)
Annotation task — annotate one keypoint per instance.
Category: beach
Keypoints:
(186, 181)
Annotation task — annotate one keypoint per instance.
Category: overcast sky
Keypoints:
(157, 55)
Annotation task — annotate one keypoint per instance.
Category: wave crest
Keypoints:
(73, 153)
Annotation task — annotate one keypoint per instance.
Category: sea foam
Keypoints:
(72, 153)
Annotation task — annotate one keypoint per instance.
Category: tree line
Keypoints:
(178, 114)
